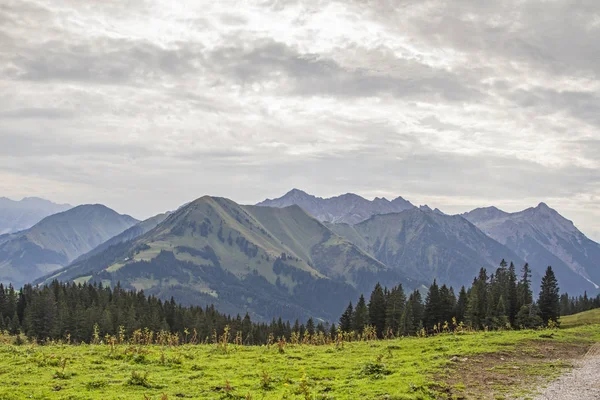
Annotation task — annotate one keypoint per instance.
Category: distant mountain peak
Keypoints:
(542, 236)
(346, 208)
(18, 215)
(58, 239)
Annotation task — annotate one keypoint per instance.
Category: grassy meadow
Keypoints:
(492, 365)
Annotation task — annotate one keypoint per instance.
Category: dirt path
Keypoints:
(582, 383)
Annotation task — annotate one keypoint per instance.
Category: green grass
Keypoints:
(409, 368)
(584, 318)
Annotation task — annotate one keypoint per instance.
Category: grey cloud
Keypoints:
(557, 36)
(36, 113)
(581, 105)
(36, 143)
(313, 74)
(107, 61)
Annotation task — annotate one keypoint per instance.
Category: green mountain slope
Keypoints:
(426, 245)
(267, 261)
(57, 240)
(130, 234)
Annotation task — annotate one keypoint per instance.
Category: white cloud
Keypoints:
(144, 105)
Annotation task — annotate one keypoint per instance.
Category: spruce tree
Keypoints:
(472, 313)
(433, 305)
(549, 298)
(346, 319)
(377, 310)
(361, 315)
(513, 302)
(461, 305)
(310, 326)
(407, 321)
(394, 309)
(447, 304)
(525, 296)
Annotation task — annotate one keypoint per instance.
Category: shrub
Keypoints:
(139, 379)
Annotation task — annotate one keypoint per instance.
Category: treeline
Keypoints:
(81, 312)
(500, 300)
(86, 312)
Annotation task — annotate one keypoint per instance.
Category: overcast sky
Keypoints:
(145, 105)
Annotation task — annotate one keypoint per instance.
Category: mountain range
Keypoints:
(20, 215)
(57, 240)
(348, 208)
(264, 260)
(295, 256)
(543, 237)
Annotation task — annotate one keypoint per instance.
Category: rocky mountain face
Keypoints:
(20, 215)
(543, 237)
(57, 240)
(428, 245)
(264, 260)
(348, 208)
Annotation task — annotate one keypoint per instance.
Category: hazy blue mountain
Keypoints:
(20, 215)
(348, 208)
(57, 240)
(264, 260)
(544, 237)
(427, 245)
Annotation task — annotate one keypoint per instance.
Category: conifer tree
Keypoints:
(407, 321)
(472, 313)
(433, 305)
(377, 310)
(447, 304)
(525, 296)
(346, 319)
(394, 309)
(549, 298)
(418, 310)
(361, 315)
(461, 305)
(513, 306)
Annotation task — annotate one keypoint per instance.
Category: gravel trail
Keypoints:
(582, 383)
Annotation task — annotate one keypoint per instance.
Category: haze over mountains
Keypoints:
(57, 240)
(19, 215)
(296, 256)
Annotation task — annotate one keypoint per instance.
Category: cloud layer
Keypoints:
(144, 105)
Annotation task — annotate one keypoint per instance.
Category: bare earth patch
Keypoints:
(514, 373)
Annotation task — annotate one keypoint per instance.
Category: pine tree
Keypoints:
(418, 310)
(433, 305)
(472, 313)
(513, 301)
(346, 319)
(501, 317)
(461, 305)
(447, 304)
(377, 310)
(407, 323)
(361, 315)
(525, 296)
(394, 309)
(310, 326)
(549, 298)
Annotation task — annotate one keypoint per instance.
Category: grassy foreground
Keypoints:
(408, 368)
(590, 317)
